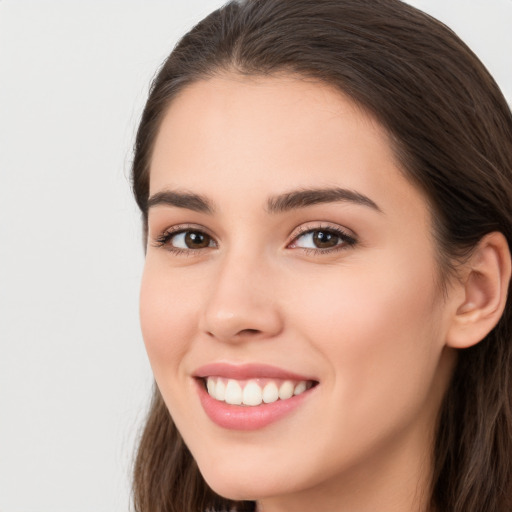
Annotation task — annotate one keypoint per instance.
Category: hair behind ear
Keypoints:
(475, 423)
(474, 430)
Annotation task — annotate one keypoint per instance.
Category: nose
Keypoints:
(242, 304)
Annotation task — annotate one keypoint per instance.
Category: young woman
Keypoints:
(326, 190)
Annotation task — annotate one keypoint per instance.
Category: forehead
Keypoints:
(270, 134)
(260, 108)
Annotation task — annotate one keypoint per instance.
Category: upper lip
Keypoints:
(247, 371)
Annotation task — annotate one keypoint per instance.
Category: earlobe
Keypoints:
(485, 286)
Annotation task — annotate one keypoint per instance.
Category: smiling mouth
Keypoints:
(254, 392)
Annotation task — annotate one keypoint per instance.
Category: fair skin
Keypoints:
(230, 279)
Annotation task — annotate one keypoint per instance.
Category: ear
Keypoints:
(483, 296)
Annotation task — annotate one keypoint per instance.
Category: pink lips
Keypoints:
(246, 371)
(237, 417)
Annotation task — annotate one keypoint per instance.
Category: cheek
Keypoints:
(382, 342)
(166, 318)
(381, 325)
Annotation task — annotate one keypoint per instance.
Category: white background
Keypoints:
(74, 378)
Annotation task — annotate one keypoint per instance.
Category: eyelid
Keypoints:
(347, 236)
(321, 226)
(162, 238)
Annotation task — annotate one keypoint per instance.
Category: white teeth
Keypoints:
(300, 388)
(211, 387)
(220, 390)
(233, 393)
(286, 390)
(270, 393)
(251, 394)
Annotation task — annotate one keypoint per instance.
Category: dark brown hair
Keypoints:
(452, 132)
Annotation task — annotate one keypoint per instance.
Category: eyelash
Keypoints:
(164, 239)
(346, 240)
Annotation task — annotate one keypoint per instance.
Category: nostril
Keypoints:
(249, 332)
(237, 336)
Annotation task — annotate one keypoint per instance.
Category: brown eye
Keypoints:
(186, 240)
(196, 240)
(325, 239)
(322, 240)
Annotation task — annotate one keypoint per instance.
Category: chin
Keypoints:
(245, 489)
(249, 485)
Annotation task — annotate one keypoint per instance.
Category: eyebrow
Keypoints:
(277, 204)
(309, 197)
(186, 200)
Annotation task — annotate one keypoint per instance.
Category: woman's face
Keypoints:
(288, 254)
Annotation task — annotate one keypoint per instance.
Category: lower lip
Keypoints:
(239, 417)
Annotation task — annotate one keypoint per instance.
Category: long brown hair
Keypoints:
(452, 132)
